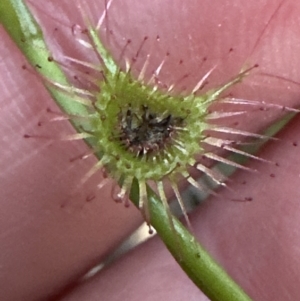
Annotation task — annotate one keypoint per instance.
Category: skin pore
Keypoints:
(48, 240)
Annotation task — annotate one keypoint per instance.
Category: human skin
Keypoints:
(51, 233)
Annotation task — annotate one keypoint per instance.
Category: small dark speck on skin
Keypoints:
(295, 143)
(90, 198)
(150, 231)
(249, 199)
(272, 175)
(277, 164)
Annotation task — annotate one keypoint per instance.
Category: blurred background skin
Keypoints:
(51, 232)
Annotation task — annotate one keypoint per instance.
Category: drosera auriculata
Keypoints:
(143, 130)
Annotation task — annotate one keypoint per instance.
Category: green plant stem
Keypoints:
(26, 33)
(194, 260)
(213, 281)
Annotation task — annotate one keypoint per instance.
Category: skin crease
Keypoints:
(50, 234)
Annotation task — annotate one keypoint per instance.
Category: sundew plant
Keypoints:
(149, 131)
